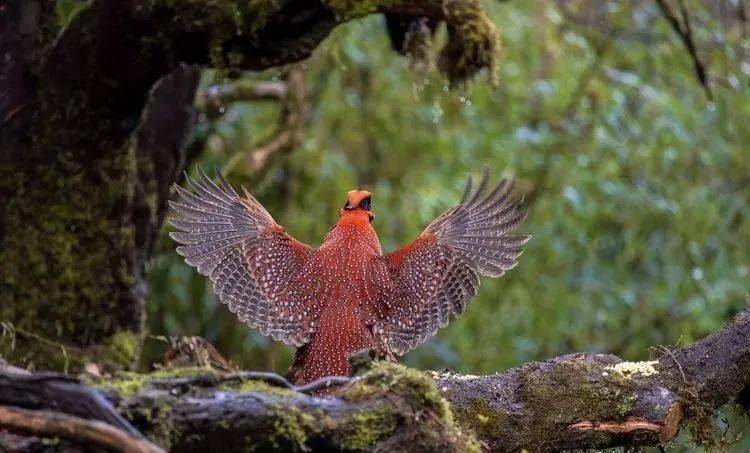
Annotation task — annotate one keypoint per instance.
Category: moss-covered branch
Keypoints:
(577, 401)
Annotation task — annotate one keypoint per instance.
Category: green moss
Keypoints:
(67, 237)
(129, 383)
(349, 9)
(66, 231)
(65, 234)
(223, 21)
(415, 385)
(473, 41)
(392, 403)
(365, 428)
(158, 418)
(292, 426)
(253, 385)
(260, 11)
(124, 347)
(165, 432)
(625, 406)
(126, 384)
(67, 10)
(563, 384)
(486, 421)
(419, 391)
(701, 417)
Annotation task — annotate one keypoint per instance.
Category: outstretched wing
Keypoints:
(252, 262)
(437, 274)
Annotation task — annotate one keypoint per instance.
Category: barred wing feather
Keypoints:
(436, 275)
(252, 262)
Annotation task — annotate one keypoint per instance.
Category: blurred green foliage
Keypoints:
(638, 187)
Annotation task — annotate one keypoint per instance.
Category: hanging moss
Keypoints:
(473, 42)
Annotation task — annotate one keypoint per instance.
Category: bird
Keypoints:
(345, 295)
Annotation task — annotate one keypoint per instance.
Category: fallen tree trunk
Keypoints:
(576, 401)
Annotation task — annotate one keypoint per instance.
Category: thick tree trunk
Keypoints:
(89, 146)
(84, 178)
(577, 401)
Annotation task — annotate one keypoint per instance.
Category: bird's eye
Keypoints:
(365, 204)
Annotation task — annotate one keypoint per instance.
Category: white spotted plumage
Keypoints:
(344, 295)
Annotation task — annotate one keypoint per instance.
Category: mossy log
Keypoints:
(577, 401)
(95, 110)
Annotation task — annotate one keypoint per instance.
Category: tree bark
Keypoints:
(576, 401)
(93, 120)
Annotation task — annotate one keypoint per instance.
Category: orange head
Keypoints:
(358, 203)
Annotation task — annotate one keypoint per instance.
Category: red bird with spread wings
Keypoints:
(345, 295)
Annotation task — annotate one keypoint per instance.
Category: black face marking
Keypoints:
(365, 204)
(348, 206)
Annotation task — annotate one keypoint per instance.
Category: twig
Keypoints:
(257, 158)
(52, 424)
(273, 379)
(12, 331)
(11, 113)
(280, 381)
(293, 119)
(685, 31)
(216, 98)
(58, 392)
(679, 366)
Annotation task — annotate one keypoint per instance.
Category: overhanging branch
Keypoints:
(577, 401)
(684, 31)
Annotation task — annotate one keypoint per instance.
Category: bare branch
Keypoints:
(216, 98)
(53, 424)
(294, 118)
(685, 32)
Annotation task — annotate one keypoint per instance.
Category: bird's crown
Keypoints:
(358, 199)
(357, 203)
